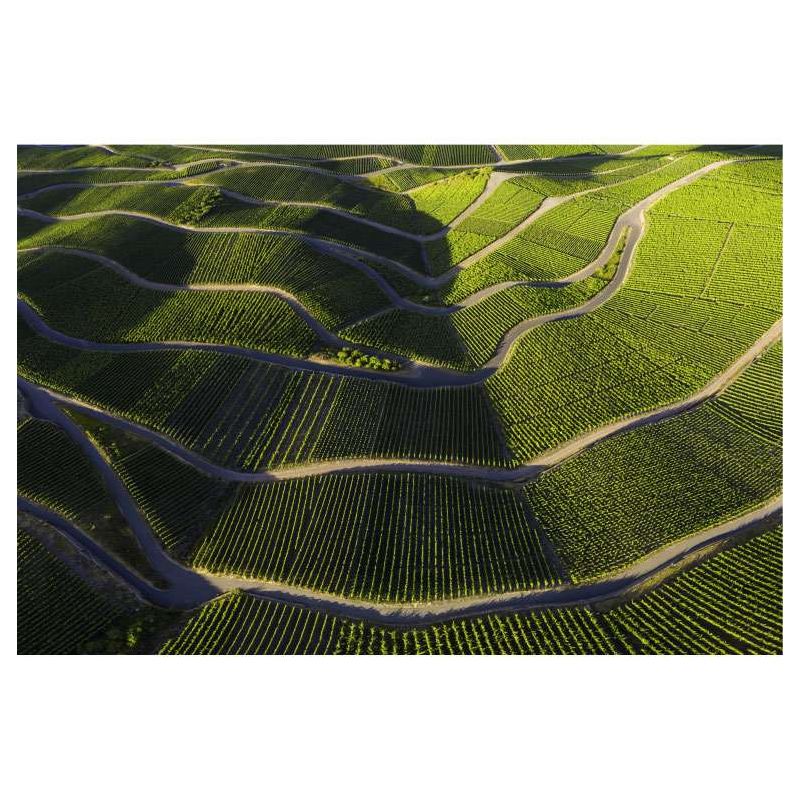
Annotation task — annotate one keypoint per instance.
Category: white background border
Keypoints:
(412, 72)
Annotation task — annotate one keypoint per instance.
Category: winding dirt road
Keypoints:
(418, 374)
(41, 398)
(187, 589)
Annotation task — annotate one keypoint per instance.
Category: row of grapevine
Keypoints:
(404, 537)
(676, 477)
(149, 198)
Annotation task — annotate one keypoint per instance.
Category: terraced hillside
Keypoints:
(399, 399)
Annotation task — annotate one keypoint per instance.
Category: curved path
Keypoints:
(414, 376)
(41, 398)
(188, 589)
(338, 249)
(419, 374)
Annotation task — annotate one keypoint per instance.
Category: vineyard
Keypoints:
(57, 612)
(420, 538)
(400, 399)
(730, 603)
(53, 472)
(677, 476)
(91, 302)
(254, 416)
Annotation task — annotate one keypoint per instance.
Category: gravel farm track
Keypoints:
(415, 373)
(187, 589)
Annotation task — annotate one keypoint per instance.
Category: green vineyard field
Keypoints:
(730, 603)
(402, 399)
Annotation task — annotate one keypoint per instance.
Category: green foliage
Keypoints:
(54, 473)
(401, 537)
(731, 603)
(355, 358)
(653, 485)
(57, 612)
(197, 206)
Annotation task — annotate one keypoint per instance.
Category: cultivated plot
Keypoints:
(396, 399)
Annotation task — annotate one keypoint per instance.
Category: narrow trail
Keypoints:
(411, 376)
(416, 374)
(39, 397)
(333, 246)
(188, 589)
